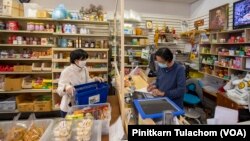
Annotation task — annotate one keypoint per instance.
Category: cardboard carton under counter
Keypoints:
(13, 84)
(25, 103)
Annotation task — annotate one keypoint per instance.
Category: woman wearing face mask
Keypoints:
(72, 75)
(171, 78)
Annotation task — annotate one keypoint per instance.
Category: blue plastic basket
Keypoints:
(91, 93)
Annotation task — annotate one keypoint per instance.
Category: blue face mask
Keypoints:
(162, 65)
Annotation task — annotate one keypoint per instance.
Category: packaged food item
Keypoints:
(83, 130)
(62, 131)
(16, 133)
(34, 133)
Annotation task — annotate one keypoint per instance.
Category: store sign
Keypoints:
(199, 23)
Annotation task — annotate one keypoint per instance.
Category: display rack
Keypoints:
(230, 51)
(99, 31)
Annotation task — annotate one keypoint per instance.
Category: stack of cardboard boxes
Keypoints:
(11, 8)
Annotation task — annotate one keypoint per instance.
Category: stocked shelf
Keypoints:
(135, 36)
(38, 46)
(51, 20)
(25, 31)
(25, 59)
(88, 61)
(86, 49)
(26, 72)
(82, 35)
(90, 70)
(139, 46)
(142, 66)
(230, 43)
(214, 76)
(27, 91)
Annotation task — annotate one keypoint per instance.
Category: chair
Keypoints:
(193, 97)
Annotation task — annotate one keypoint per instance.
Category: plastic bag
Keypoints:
(16, 130)
(34, 131)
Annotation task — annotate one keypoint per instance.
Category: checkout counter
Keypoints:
(137, 113)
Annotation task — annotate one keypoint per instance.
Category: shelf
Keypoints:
(82, 35)
(88, 61)
(49, 72)
(90, 70)
(230, 43)
(135, 36)
(139, 46)
(205, 43)
(25, 59)
(27, 91)
(221, 66)
(55, 81)
(86, 49)
(142, 66)
(25, 31)
(207, 64)
(233, 31)
(214, 76)
(53, 20)
(208, 54)
(232, 56)
(38, 46)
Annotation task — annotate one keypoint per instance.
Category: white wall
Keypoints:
(200, 10)
(142, 6)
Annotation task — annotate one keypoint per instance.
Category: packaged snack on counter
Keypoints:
(62, 131)
(84, 130)
(34, 131)
(100, 112)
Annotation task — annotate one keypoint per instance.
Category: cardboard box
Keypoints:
(18, 68)
(43, 14)
(12, 84)
(42, 106)
(142, 42)
(12, 8)
(25, 103)
(27, 68)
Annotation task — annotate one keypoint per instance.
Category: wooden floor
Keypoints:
(113, 100)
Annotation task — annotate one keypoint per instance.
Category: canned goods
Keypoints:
(30, 26)
(41, 27)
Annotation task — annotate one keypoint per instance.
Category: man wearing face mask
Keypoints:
(72, 75)
(171, 78)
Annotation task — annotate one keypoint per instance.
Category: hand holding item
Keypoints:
(99, 79)
(70, 90)
(157, 92)
(151, 87)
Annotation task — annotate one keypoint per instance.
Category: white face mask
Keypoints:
(82, 64)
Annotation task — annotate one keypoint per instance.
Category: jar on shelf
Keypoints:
(30, 26)
(2, 25)
(37, 27)
(41, 26)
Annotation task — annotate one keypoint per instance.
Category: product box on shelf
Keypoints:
(12, 8)
(25, 103)
(41, 105)
(43, 14)
(18, 68)
(8, 104)
(27, 68)
(12, 84)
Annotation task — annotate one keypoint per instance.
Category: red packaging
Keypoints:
(12, 25)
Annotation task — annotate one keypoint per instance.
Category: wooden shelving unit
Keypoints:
(218, 45)
(99, 31)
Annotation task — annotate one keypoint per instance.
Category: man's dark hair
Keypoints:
(165, 54)
(78, 54)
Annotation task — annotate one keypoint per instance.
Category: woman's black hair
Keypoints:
(165, 54)
(78, 54)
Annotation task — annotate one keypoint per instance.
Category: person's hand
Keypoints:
(157, 92)
(151, 87)
(99, 79)
(70, 90)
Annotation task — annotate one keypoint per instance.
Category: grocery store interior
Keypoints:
(86, 69)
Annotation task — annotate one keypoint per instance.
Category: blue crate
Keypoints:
(91, 93)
